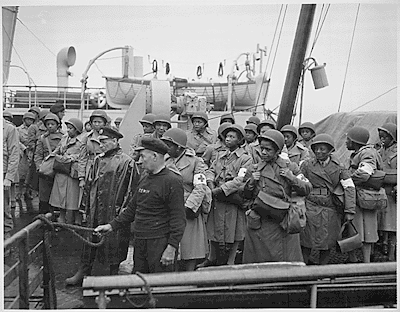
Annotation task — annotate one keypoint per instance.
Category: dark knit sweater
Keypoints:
(157, 209)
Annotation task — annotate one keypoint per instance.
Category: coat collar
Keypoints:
(239, 152)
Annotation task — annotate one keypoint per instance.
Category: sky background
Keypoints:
(189, 35)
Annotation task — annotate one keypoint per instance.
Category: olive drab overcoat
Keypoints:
(226, 222)
(211, 152)
(298, 153)
(362, 164)
(65, 191)
(89, 150)
(199, 141)
(324, 215)
(194, 243)
(268, 241)
(388, 217)
(41, 152)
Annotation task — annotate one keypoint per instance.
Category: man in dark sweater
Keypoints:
(157, 210)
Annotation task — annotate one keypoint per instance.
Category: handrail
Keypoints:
(21, 238)
(255, 274)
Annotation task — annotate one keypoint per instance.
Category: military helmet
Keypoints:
(43, 113)
(391, 129)
(99, 113)
(163, 118)
(222, 127)
(34, 109)
(251, 127)
(307, 125)
(323, 138)
(148, 119)
(176, 136)
(358, 135)
(253, 120)
(237, 128)
(227, 116)
(118, 120)
(266, 122)
(201, 115)
(29, 115)
(76, 123)
(51, 116)
(274, 136)
(7, 114)
(291, 129)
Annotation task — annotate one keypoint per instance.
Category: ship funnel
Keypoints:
(65, 58)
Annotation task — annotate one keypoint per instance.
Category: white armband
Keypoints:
(347, 183)
(199, 178)
(301, 177)
(366, 168)
(242, 172)
(284, 156)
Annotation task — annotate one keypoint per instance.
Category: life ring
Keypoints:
(101, 101)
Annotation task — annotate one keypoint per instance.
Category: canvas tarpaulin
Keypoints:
(337, 125)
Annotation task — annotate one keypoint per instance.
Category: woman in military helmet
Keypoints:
(387, 218)
(91, 145)
(65, 192)
(364, 161)
(197, 196)
(46, 144)
(226, 176)
(274, 179)
(324, 211)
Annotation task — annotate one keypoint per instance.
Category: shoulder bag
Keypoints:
(371, 199)
(46, 167)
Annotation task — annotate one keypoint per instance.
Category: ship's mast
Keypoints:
(300, 44)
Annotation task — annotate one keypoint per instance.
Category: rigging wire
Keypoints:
(36, 37)
(19, 57)
(279, 39)
(319, 27)
(374, 98)
(269, 55)
(273, 38)
(348, 58)
(98, 68)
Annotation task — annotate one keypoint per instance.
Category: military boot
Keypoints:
(77, 279)
(28, 201)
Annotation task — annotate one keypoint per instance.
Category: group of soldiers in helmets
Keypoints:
(201, 197)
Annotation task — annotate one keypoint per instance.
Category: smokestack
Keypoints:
(65, 58)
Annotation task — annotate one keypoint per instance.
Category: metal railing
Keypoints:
(22, 96)
(257, 277)
(20, 270)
